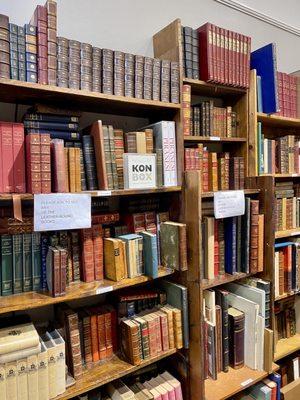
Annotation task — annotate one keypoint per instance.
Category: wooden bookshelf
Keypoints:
(104, 193)
(13, 91)
(107, 372)
(232, 382)
(30, 300)
(285, 296)
(212, 89)
(206, 195)
(285, 347)
(223, 279)
(217, 139)
(287, 233)
(278, 121)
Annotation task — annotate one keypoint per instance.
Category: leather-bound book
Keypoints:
(101, 144)
(175, 87)
(156, 79)
(6, 265)
(98, 251)
(119, 73)
(129, 74)
(86, 66)
(144, 335)
(77, 170)
(148, 71)
(236, 319)
(139, 77)
(94, 334)
(90, 162)
(45, 145)
(96, 73)
(207, 54)
(165, 80)
(87, 340)
(39, 20)
(59, 166)
(62, 62)
(261, 220)
(107, 71)
(101, 335)
(186, 108)
(51, 40)
(114, 263)
(88, 270)
(5, 47)
(113, 156)
(234, 169)
(17, 268)
(75, 255)
(73, 340)
(119, 151)
(53, 271)
(219, 353)
(71, 168)
(82, 170)
(254, 235)
(66, 149)
(74, 64)
(19, 158)
(13, 44)
(130, 341)
(212, 172)
(222, 301)
(7, 156)
(36, 260)
(63, 270)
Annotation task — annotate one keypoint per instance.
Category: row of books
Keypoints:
(267, 389)
(35, 53)
(32, 366)
(235, 244)
(286, 268)
(289, 369)
(235, 317)
(224, 55)
(160, 386)
(284, 319)
(280, 156)
(57, 161)
(286, 206)
(219, 171)
(206, 119)
(286, 92)
(34, 261)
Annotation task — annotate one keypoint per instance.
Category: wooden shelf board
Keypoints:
(232, 382)
(282, 176)
(285, 347)
(278, 121)
(213, 89)
(285, 296)
(13, 91)
(287, 233)
(214, 139)
(30, 300)
(247, 191)
(104, 193)
(107, 372)
(222, 280)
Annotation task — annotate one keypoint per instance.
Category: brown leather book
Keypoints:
(88, 272)
(77, 170)
(212, 171)
(254, 210)
(74, 344)
(98, 251)
(101, 335)
(71, 157)
(219, 352)
(87, 339)
(236, 337)
(130, 341)
(119, 151)
(33, 161)
(59, 166)
(260, 261)
(96, 131)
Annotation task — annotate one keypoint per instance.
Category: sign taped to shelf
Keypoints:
(215, 138)
(229, 203)
(61, 211)
(104, 289)
(247, 382)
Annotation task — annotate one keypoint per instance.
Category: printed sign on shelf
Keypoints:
(229, 203)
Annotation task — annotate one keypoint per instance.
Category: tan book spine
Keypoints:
(33, 386)
(149, 140)
(67, 168)
(112, 259)
(3, 382)
(169, 315)
(72, 182)
(177, 323)
(11, 381)
(77, 170)
(22, 379)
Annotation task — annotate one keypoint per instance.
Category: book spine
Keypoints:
(101, 336)
(113, 157)
(7, 157)
(71, 168)
(17, 264)
(51, 41)
(254, 210)
(75, 256)
(90, 162)
(186, 109)
(36, 260)
(44, 251)
(87, 255)
(236, 340)
(108, 334)
(45, 154)
(87, 341)
(98, 251)
(33, 156)
(59, 166)
(19, 158)
(27, 262)
(6, 265)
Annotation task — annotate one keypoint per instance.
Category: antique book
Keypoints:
(113, 259)
(88, 262)
(130, 341)
(173, 245)
(43, 378)
(150, 254)
(90, 162)
(236, 319)
(53, 265)
(59, 166)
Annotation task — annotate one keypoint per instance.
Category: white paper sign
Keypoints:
(104, 289)
(57, 211)
(229, 203)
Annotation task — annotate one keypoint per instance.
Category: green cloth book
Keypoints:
(6, 265)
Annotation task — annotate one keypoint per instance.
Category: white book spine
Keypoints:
(43, 381)
(2, 382)
(11, 381)
(33, 387)
(52, 372)
(172, 164)
(22, 371)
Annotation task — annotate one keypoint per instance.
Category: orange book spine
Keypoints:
(98, 251)
(94, 338)
(186, 109)
(101, 336)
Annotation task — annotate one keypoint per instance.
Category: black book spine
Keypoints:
(89, 162)
(238, 244)
(195, 55)
(222, 301)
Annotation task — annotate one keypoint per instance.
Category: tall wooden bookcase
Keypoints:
(273, 126)
(167, 44)
(26, 93)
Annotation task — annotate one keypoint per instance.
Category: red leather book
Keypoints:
(19, 158)
(150, 222)
(101, 335)
(94, 336)
(222, 45)
(226, 56)
(206, 56)
(216, 248)
(114, 333)
(214, 52)
(98, 251)
(244, 60)
(106, 218)
(45, 163)
(135, 222)
(158, 332)
(186, 109)
(88, 271)
(108, 334)
(240, 55)
(230, 57)
(187, 159)
(254, 210)
(248, 51)
(205, 183)
(59, 166)
(63, 270)
(7, 157)
(33, 162)
(235, 58)
(288, 269)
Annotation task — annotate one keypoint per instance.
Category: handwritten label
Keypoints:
(247, 382)
(61, 211)
(229, 203)
(102, 193)
(215, 138)
(104, 289)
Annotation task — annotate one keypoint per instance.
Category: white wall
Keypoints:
(128, 25)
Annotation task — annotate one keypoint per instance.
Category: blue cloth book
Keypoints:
(57, 134)
(259, 94)
(51, 126)
(275, 377)
(264, 61)
(150, 254)
(230, 244)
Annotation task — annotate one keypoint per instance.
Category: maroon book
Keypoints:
(39, 19)
(33, 163)
(19, 158)
(88, 272)
(6, 135)
(206, 56)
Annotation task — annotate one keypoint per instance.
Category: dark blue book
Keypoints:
(57, 134)
(52, 118)
(150, 255)
(264, 61)
(230, 244)
(245, 251)
(275, 377)
(259, 94)
(55, 126)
